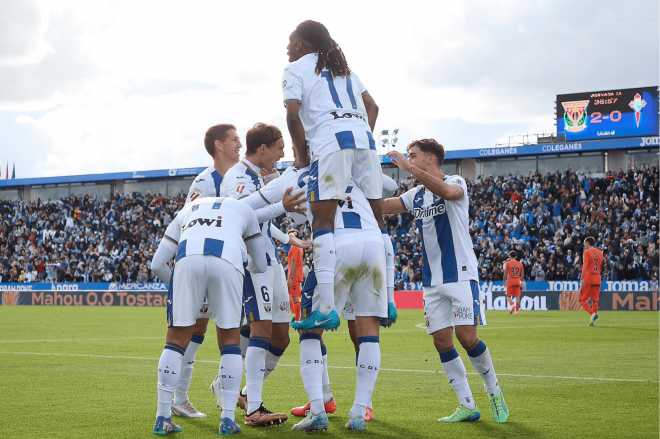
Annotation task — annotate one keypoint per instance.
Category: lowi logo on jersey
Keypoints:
(575, 115)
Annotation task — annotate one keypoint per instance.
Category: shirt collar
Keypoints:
(252, 166)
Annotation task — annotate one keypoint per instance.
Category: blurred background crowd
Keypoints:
(543, 218)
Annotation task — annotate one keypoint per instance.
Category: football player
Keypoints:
(452, 299)
(514, 274)
(209, 237)
(329, 108)
(591, 278)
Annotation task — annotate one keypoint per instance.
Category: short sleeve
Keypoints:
(273, 191)
(291, 85)
(361, 86)
(460, 182)
(408, 199)
(252, 228)
(173, 231)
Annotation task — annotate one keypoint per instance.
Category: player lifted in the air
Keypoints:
(329, 108)
(209, 238)
(590, 279)
(514, 274)
(223, 144)
(452, 300)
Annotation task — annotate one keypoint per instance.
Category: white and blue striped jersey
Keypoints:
(444, 225)
(216, 227)
(206, 184)
(332, 111)
(353, 213)
(241, 180)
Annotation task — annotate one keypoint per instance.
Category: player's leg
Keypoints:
(366, 171)
(181, 405)
(594, 294)
(311, 371)
(281, 312)
(295, 299)
(185, 297)
(439, 318)
(368, 294)
(466, 298)
(585, 295)
(328, 400)
(510, 299)
(517, 296)
(225, 296)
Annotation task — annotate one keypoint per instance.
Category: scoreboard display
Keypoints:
(631, 112)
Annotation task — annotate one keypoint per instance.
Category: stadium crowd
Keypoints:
(543, 218)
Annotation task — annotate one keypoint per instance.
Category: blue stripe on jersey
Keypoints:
(216, 205)
(372, 144)
(313, 182)
(277, 254)
(349, 189)
(446, 243)
(217, 181)
(426, 269)
(476, 297)
(181, 250)
(333, 91)
(213, 247)
(254, 177)
(351, 220)
(349, 90)
(250, 305)
(345, 139)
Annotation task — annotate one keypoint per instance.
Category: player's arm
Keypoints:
(522, 273)
(166, 250)
(372, 110)
(449, 192)
(255, 247)
(292, 271)
(506, 275)
(585, 263)
(393, 205)
(297, 132)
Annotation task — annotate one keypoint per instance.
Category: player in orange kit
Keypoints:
(514, 273)
(294, 280)
(590, 279)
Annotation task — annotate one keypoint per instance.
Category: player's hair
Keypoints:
(216, 132)
(261, 134)
(430, 146)
(513, 254)
(330, 54)
(590, 240)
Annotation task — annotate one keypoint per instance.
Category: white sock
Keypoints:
(311, 370)
(457, 375)
(325, 259)
(169, 369)
(231, 373)
(327, 393)
(367, 374)
(182, 386)
(255, 366)
(480, 359)
(272, 358)
(389, 265)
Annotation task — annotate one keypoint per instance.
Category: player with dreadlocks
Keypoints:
(329, 109)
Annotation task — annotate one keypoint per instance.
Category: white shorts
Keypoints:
(282, 309)
(331, 174)
(360, 273)
(348, 313)
(454, 304)
(258, 296)
(197, 276)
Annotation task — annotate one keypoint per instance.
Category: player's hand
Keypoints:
(292, 203)
(269, 175)
(302, 243)
(288, 283)
(399, 159)
(300, 163)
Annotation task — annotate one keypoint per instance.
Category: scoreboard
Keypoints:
(631, 112)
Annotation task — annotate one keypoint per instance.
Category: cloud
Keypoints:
(61, 69)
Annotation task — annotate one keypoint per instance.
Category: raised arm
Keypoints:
(447, 191)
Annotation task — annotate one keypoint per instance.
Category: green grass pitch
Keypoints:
(90, 372)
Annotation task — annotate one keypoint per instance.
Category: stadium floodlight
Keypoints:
(387, 137)
(384, 133)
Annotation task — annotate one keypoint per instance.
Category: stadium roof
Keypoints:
(509, 151)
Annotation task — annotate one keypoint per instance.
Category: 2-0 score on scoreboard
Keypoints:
(628, 112)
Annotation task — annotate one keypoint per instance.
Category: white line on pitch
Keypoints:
(81, 340)
(341, 367)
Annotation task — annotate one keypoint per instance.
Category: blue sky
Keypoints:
(110, 86)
